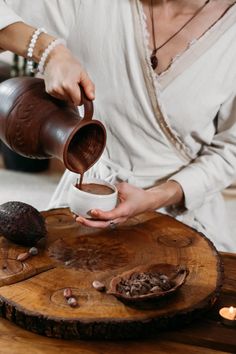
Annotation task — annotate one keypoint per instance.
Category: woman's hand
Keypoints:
(63, 74)
(62, 71)
(134, 201)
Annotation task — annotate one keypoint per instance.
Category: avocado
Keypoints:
(21, 223)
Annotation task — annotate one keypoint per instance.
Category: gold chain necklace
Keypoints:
(153, 58)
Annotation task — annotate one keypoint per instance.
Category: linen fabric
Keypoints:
(179, 125)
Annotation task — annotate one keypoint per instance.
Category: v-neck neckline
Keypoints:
(194, 49)
(155, 85)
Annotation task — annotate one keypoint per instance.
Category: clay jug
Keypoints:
(36, 125)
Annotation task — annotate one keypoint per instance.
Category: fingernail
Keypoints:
(80, 220)
(94, 212)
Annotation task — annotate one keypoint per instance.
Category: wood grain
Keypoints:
(14, 340)
(73, 256)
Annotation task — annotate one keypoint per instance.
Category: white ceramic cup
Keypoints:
(81, 202)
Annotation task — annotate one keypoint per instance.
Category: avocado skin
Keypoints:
(21, 223)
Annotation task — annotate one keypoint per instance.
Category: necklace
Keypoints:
(153, 58)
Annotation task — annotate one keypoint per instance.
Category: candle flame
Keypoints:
(231, 309)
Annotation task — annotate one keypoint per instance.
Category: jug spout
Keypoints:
(77, 143)
(36, 125)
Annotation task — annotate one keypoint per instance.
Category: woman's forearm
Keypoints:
(168, 193)
(16, 38)
(62, 71)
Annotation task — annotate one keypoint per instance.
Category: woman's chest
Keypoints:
(194, 98)
(104, 39)
(171, 27)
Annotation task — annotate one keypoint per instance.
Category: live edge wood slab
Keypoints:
(31, 292)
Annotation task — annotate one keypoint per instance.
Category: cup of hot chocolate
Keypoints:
(93, 193)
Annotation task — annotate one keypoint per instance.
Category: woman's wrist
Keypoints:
(17, 36)
(60, 52)
(42, 43)
(46, 54)
(165, 194)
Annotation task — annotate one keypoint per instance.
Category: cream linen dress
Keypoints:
(180, 125)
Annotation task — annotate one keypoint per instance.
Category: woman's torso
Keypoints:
(150, 136)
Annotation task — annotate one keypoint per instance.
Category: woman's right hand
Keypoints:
(63, 73)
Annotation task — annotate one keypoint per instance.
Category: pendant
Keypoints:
(154, 60)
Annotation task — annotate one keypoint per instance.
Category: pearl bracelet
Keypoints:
(47, 51)
(34, 38)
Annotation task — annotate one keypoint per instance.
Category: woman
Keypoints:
(165, 89)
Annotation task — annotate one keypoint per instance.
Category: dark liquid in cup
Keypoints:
(94, 188)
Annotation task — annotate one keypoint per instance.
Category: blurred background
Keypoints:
(27, 180)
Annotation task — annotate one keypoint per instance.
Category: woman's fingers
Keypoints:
(93, 223)
(58, 93)
(72, 90)
(121, 211)
(68, 91)
(63, 76)
(87, 85)
(101, 224)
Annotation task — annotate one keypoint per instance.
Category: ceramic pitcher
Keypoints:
(36, 125)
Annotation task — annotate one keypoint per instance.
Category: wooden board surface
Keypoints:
(73, 256)
(14, 340)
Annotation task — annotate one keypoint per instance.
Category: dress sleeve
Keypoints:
(215, 167)
(8, 16)
(56, 16)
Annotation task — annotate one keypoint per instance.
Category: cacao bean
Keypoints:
(99, 286)
(23, 256)
(72, 301)
(67, 293)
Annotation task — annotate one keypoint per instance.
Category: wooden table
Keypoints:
(204, 336)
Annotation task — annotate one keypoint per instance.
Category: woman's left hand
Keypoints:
(134, 201)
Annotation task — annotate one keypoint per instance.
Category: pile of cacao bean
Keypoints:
(144, 283)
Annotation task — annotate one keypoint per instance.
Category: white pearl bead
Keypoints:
(31, 46)
(47, 51)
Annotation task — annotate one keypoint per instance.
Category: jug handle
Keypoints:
(88, 105)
